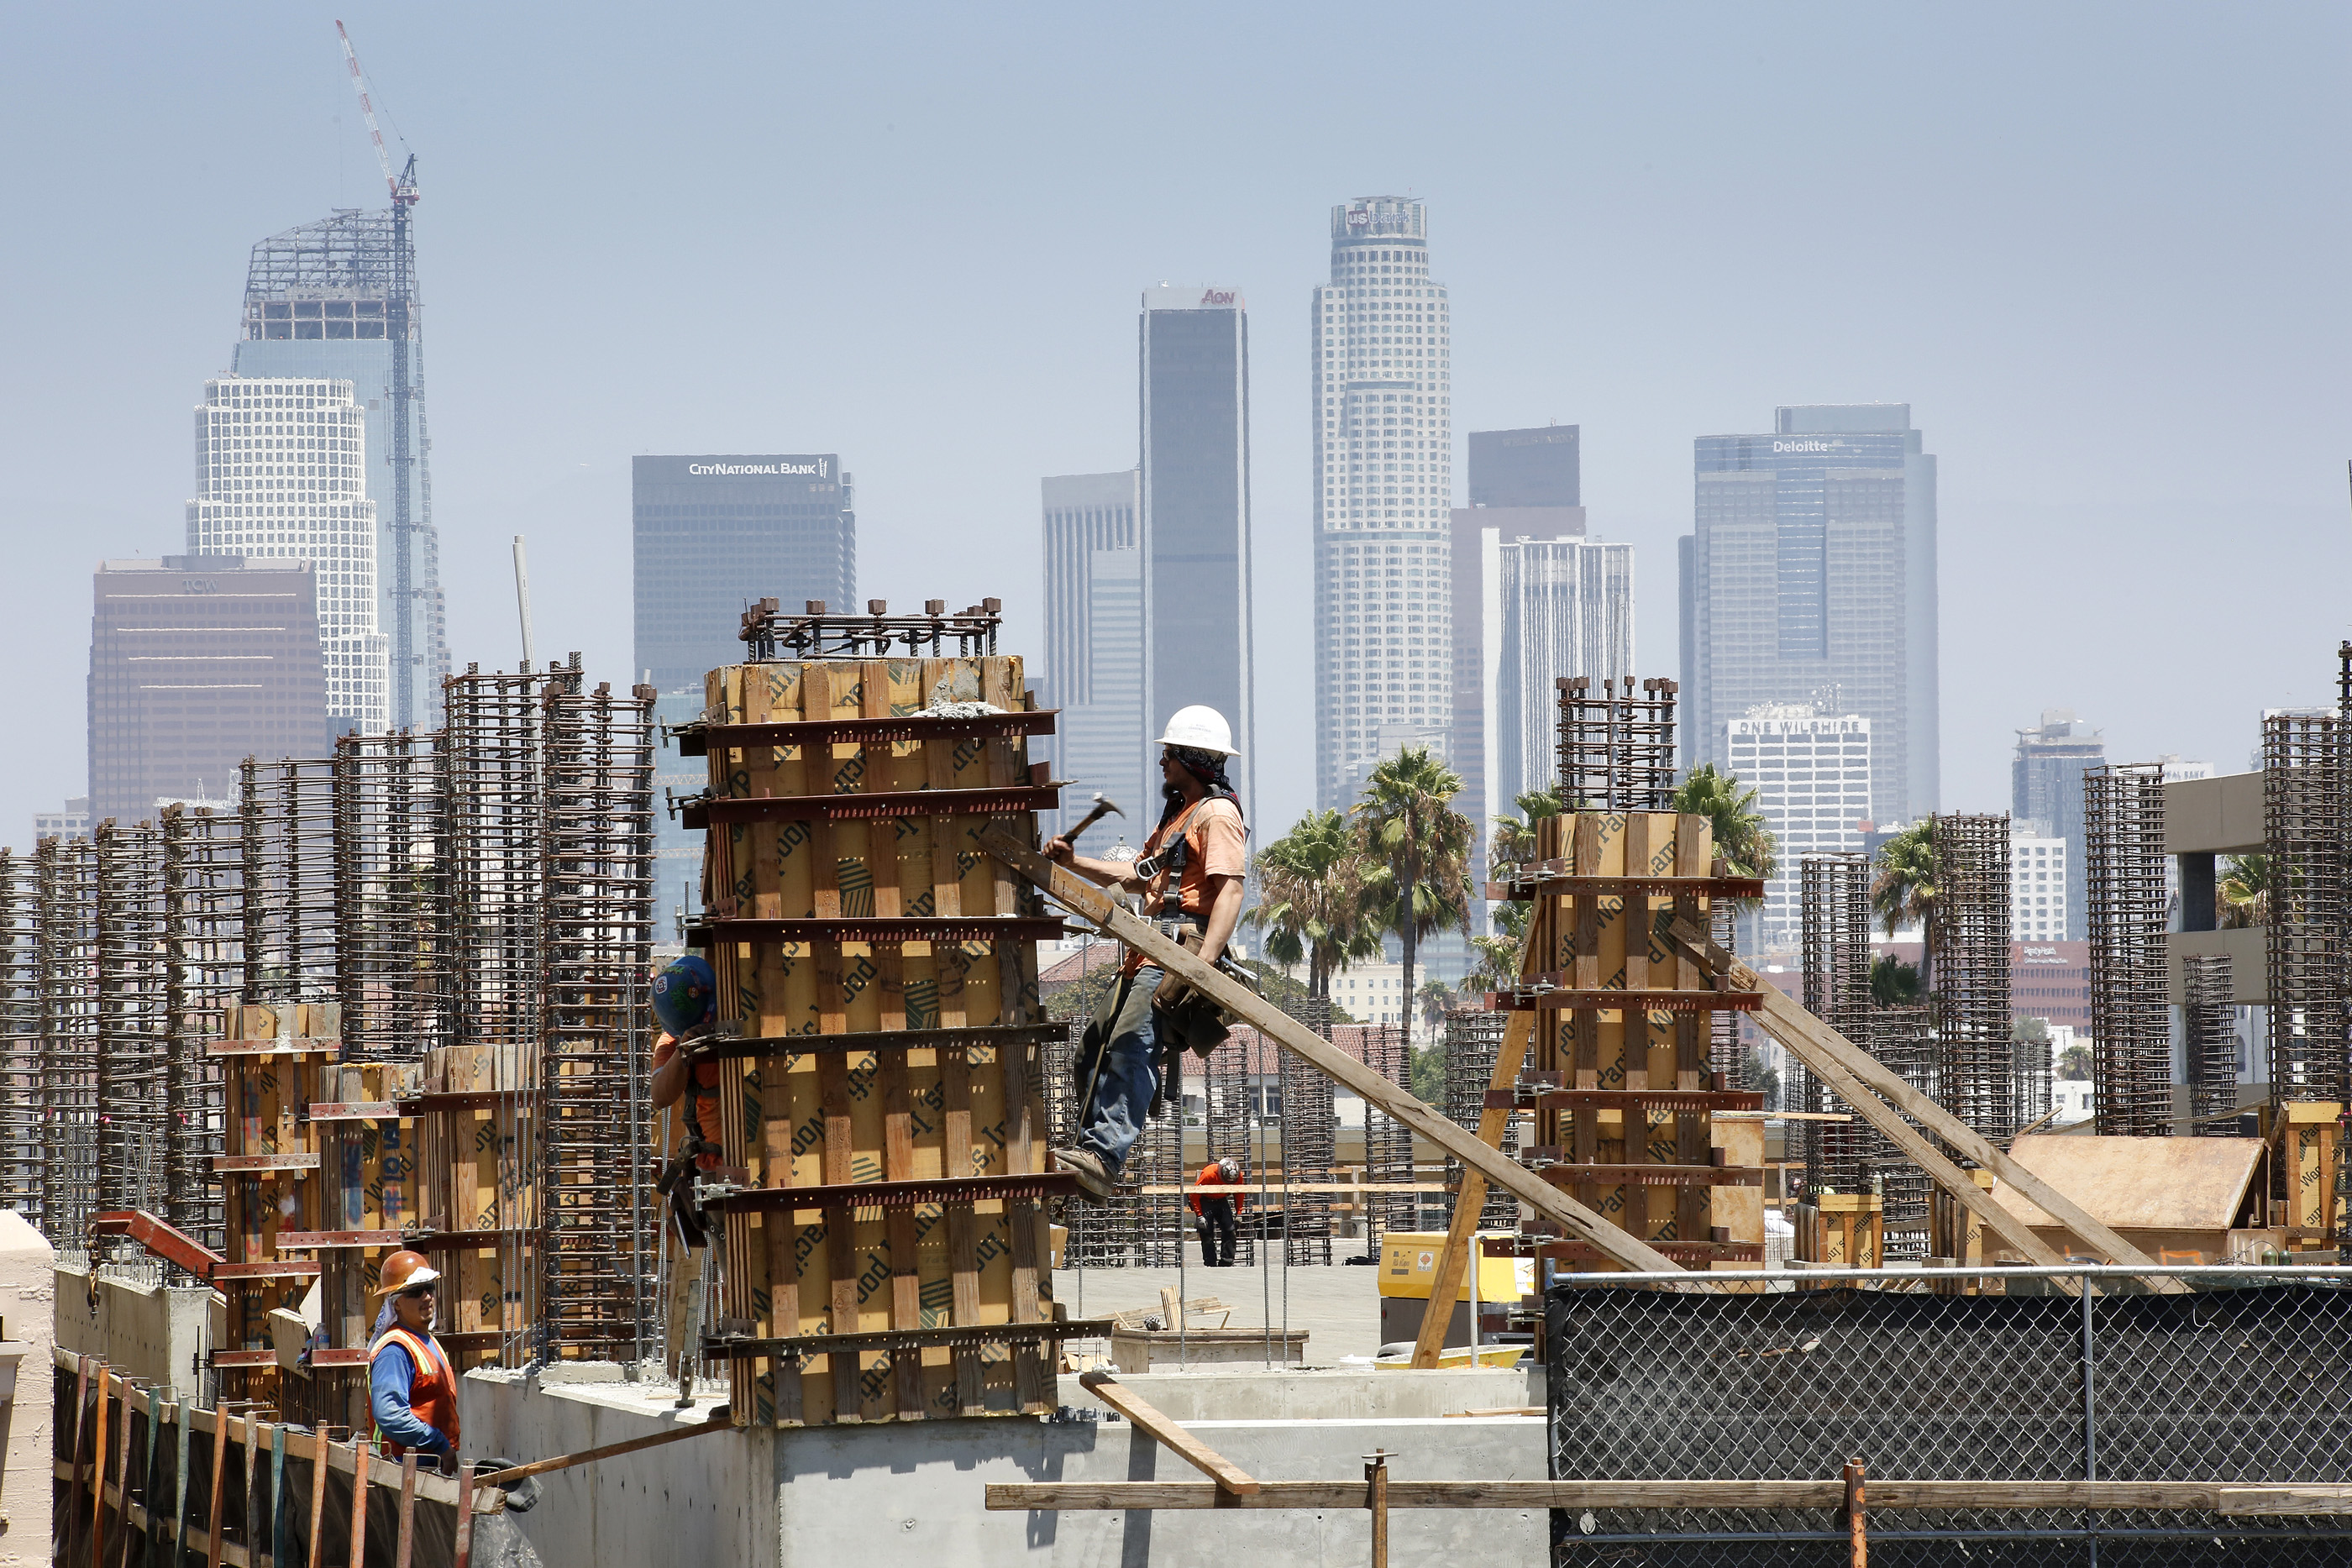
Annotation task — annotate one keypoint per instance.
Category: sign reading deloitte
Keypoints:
(761, 468)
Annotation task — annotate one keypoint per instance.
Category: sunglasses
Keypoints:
(415, 1292)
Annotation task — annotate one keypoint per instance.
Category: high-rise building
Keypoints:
(1811, 773)
(1535, 467)
(280, 462)
(1384, 494)
(1094, 646)
(2045, 790)
(2039, 877)
(337, 300)
(712, 535)
(70, 822)
(195, 663)
(1567, 609)
(1524, 485)
(1195, 517)
(1810, 578)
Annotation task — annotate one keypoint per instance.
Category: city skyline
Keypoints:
(1581, 294)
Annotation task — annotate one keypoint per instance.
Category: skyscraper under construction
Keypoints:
(337, 300)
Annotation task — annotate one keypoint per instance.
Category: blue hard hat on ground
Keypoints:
(683, 995)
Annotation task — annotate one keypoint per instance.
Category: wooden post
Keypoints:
(98, 1483)
(317, 1500)
(405, 1542)
(358, 1498)
(462, 1556)
(1154, 1423)
(81, 1395)
(1857, 1523)
(220, 1477)
(1376, 1497)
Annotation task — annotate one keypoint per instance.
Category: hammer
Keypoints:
(1104, 806)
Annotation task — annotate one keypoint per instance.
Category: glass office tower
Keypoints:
(1810, 579)
(1196, 520)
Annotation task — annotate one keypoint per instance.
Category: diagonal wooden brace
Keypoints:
(1150, 1419)
(1091, 903)
(1861, 1080)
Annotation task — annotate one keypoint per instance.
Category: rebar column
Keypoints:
(1616, 743)
(1310, 1142)
(1474, 1037)
(204, 948)
(392, 908)
(1971, 945)
(2131, 1027)
(1388, 1143)
(22, 1055)
(596, 844)
(2210, 1025)
(1834, 902)
(2304, 823)
(132, 1013)
(67, 977)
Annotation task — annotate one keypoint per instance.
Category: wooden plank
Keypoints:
(1090, 902)
(1990, 1496)
(1229, 1476)
(359, 1532)
(404, 1542)
(1846, 1068)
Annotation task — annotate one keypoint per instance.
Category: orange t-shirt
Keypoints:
(706, 1095)
(1212, 1176)
(1215, 845)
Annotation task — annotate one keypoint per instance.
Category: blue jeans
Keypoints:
(1127, 1081)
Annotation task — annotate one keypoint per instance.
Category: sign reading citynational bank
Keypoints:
(782, 467)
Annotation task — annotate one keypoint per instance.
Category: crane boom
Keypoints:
(400, 192)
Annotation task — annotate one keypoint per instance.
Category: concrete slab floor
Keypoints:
(1337, 1305)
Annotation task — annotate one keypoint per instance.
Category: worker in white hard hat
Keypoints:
(1190, 875)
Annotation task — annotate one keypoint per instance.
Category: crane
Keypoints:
(402, 185)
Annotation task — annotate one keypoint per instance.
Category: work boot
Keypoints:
(1095, 1181)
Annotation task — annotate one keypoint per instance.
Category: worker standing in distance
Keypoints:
(1190, 875)
(411, 1390)
(1215, 1216)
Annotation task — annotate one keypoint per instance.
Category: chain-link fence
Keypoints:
(2247, 1376)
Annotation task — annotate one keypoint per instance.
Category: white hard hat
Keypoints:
(1201, 727)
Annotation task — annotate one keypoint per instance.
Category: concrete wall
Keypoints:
(26, 1288)
(158, 1334)
(2248, 948)
(2220, 816)
(836, 1496)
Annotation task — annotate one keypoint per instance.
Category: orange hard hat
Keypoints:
(403, 1269)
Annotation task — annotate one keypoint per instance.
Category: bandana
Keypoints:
(1209, 768)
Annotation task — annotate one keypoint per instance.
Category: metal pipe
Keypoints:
(522, 601)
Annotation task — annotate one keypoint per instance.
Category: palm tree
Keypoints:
(1514, 838)
(1311, 897)
(2243, 892)
(1436, 998)
(1906, 891)
(1418, 847)
(1741, 834)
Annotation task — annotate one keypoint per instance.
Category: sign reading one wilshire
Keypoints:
(715, 531)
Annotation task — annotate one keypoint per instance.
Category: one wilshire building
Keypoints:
(332, 301)
(1809, 579)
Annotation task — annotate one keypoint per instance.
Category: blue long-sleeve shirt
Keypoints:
(390, 1377)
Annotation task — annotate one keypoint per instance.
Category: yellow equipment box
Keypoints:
(1409, 1257)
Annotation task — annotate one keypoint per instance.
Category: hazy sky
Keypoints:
(2100, 250)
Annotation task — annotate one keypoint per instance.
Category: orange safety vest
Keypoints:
(432, 1385)
(1212, 1176)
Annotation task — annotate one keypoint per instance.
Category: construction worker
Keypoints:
(686, 998)
(1190, 875)
(1215, 1216)
(411, 1390)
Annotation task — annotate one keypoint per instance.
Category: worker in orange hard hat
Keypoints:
(412, 1388)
